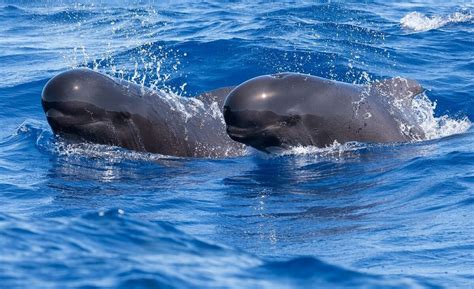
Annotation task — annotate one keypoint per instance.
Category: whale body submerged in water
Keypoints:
(266, 112)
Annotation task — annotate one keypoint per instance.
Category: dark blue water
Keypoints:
(353, 215)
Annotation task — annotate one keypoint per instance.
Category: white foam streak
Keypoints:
(420, 22)
(98, 151)
(335, 150)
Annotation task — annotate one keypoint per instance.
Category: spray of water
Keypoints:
(436, 126)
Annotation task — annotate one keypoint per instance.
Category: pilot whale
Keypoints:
(88, 106)
(290, 109)
(267, 112)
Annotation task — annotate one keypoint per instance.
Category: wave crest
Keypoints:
(420, 22)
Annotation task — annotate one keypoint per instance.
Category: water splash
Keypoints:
(436, 127)
(142, 60)
(335, 151)
(107, 153)
(418, 112)
(420, 22)
(148, 65)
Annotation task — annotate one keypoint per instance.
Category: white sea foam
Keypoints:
(420, 112)
(333, 151)
(420, 22)
(98, 151)
(436, 127)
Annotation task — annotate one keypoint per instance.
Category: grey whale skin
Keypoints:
(290, 109)
(266, 112)
(85, 105)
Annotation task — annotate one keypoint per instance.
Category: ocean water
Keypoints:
(351, 215)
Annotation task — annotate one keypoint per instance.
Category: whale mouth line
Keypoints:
(242, 133)
(63, 119)
(251, 131)
(258, 138)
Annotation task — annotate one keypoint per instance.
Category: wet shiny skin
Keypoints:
(84, 105)
(354, 216)
(290, 109)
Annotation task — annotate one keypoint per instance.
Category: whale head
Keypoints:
(291, 109)
(266, 112)
(86, 105)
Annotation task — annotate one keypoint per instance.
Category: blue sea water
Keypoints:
(352, 215)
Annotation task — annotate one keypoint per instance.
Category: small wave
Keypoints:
(11, 8)
(157, 255)
(420, 22)
(30, 131)
(309, 272)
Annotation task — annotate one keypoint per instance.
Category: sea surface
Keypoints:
(350, 215)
